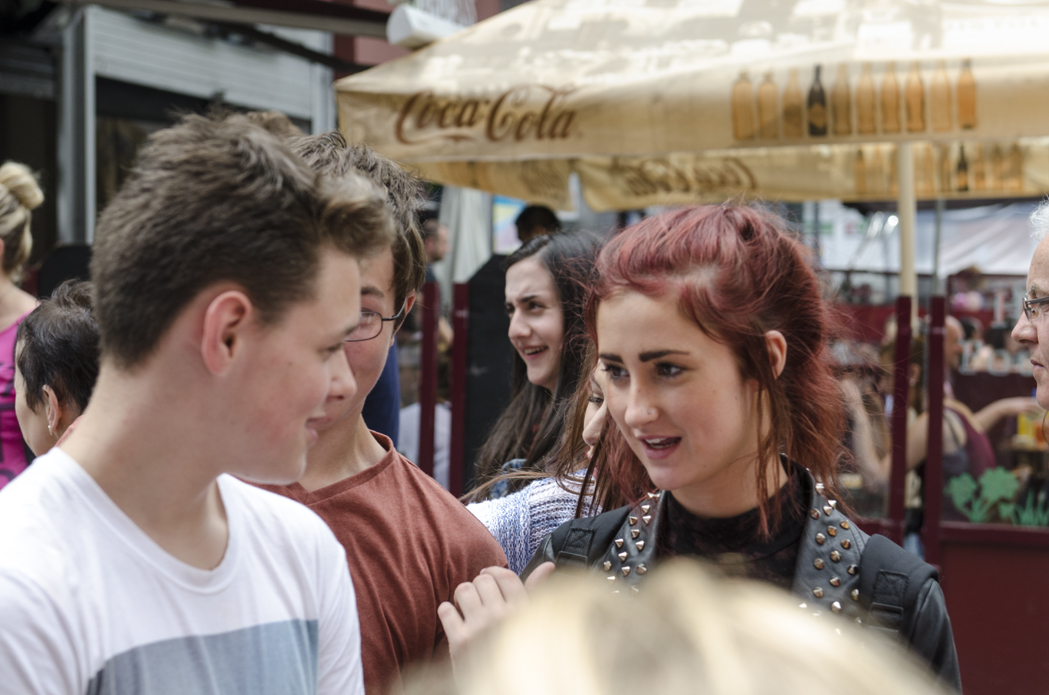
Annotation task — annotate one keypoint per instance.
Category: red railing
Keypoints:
(900, 400)
(431, 302)
(431, 305)
(933, 485)
(991, 574)
(460, 352)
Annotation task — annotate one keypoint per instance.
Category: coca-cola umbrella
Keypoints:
(656, 102)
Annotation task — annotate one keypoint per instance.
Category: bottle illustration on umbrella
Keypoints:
(966, 97)
(979, 167)
(860, 173)
(866, 123)
(997, 169)
(743, 108)
(940, 99)
(915, 98)
(841, 100)
(894, 183)
(946, 173)
(768, 109)
(962, 179)
(890, 100)
(927, 172)
(793, 116)
(876, 172)
(1015, 178)
(817, 106)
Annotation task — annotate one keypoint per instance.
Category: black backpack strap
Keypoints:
(576, 550)
(890, 581)
(579, 543)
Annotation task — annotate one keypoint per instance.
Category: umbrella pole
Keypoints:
(906, 211)
(936, 288)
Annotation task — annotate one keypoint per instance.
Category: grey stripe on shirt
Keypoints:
(272, 659)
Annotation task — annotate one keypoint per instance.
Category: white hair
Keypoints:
(1040, 221)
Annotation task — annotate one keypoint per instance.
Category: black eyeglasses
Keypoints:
(1031, 310)
(370, 325)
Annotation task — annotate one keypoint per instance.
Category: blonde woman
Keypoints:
(685, 632)
(19, 194)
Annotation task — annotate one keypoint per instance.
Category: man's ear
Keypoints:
(52, 408)
(776, 345)
(409, 302)
(225, 320)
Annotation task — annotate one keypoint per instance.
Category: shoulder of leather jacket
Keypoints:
(827, 572)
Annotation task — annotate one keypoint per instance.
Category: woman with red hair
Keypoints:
(713, 336)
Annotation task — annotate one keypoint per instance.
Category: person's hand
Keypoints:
(1015, 406)
(850, 392)
(485, 601)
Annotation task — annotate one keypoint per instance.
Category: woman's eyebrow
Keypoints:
(656, 354)
(608, 357)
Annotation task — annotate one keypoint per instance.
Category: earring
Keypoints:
(50, 431)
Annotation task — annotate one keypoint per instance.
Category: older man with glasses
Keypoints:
(1031, 329)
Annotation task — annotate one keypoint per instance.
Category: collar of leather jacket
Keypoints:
(826, 577)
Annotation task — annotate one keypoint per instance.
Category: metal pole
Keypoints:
(460, 354)
(906, 211)
(816, 228)
(900, 399)
(76, 133)
(428, 375)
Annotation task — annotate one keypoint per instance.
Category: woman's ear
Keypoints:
(52, 410)
(776, 345)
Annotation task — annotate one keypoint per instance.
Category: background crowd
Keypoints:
(680, 390)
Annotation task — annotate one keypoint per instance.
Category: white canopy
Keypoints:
(669, 101)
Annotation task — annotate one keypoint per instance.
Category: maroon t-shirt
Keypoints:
(409, 543)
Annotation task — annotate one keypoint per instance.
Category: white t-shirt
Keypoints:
(90, 604)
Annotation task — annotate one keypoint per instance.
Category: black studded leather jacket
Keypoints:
(622, 545)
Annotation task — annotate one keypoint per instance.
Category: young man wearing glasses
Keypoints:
(408, 542)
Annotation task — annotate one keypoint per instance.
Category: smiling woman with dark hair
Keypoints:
(56, 365)
(546, 286)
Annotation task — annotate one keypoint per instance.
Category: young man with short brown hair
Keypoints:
(408, 542)
(226, 278)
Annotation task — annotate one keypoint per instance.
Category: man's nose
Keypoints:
(343, 382)
(1024, 331)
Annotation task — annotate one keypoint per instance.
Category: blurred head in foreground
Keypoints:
(686, 632)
